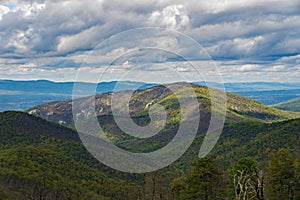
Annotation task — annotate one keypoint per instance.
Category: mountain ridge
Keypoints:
(238, 108)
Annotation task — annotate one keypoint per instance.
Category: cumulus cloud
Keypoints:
(172, 17)
(249, 36)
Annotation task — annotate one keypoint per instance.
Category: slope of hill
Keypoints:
(238, 108)
(238, 140)
(39, 158)
(290, 105)
(42, 160)
(253, 139)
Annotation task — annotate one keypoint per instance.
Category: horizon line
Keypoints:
(110, 81)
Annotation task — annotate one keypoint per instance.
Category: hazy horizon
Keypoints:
(72, 81)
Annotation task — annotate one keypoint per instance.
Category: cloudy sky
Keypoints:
(248, 40)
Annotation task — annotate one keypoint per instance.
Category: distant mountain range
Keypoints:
(265, 92)
(21, 95)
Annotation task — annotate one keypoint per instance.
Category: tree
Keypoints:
(3, 194)
(283, 176)
(155, 186)
(205, 182)
(248, 181)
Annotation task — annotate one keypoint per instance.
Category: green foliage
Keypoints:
(251, 139)
(4, 195)
(245, 164)
(204, 182)
(47, 159)
(41, 160)
(283, 176)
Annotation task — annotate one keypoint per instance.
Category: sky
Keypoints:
(226, 40)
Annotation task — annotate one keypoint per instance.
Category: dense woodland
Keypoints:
(253, 160)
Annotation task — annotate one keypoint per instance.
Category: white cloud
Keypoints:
(275, 68)
(250, 36)
(3, 10)
(173, 17)
(81, 40)
(248, 67)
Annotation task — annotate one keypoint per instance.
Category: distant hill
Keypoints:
(254, 86)
(270, 97)
(238, 108)
(290, 105)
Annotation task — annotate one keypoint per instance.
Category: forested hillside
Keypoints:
(42, 160)
(39, 159)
